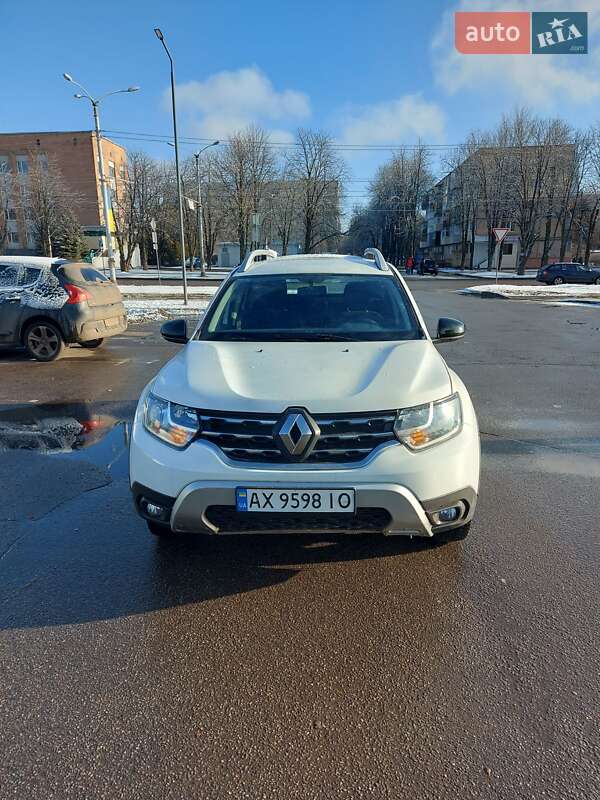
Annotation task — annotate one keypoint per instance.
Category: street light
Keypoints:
(161, 38)
(95, 104)
(199, 210)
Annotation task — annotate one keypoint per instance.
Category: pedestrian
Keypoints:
(410, 264)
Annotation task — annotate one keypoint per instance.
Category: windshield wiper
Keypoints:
(326, 337)
(277, 336)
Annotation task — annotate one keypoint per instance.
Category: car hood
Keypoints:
(323, 377)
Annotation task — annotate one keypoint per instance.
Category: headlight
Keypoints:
(422, 426)
(171, 422)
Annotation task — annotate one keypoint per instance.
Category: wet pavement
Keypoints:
(305, 667)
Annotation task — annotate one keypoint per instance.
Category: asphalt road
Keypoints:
(321, 667)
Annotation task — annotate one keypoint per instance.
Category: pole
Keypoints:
(497, 257)
(199, 215)
(158, 264)
(177, 172)
(105, 203)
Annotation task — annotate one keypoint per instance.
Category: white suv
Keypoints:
(310, 397)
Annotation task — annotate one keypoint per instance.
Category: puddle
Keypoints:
(76, 431)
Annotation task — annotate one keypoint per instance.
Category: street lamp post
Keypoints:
(105, 200)
(161, 38)
(199, 209)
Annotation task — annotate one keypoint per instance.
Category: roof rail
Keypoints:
(373, 254)
(252, 257)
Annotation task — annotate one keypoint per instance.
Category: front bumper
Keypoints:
(390, 509)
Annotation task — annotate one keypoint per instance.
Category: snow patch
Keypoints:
(505, 290)
(46, 292)
(139, 290)
(487, 274)
(156, 310)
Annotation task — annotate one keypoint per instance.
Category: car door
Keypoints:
(569, 273)
(10, 302)
(584, 275)
(14, 280)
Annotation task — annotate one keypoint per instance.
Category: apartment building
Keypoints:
(75, 153)
(455, 229)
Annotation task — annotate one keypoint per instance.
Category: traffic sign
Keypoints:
(500, 233)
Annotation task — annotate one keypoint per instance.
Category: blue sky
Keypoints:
(383, 72)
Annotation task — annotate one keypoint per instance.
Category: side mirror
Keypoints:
(175, 330)
(449, 329)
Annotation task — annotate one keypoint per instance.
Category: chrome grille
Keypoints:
(344, 438)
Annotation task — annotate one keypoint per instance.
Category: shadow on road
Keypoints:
(57, 577)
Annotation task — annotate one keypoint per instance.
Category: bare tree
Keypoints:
(244, 168)
(214, 210)
(6, 198)
(320, 174)
(395, 211)
(286, 209)
(136, 202)
(51, 206)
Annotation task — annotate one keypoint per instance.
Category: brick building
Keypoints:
(75, 153)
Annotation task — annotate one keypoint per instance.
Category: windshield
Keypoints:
(312, 308)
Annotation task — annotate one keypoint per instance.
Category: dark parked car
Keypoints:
(428, 267)
(46, 304)
(568, 273)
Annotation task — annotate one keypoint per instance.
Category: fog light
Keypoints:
(154, 511)
(447, 515)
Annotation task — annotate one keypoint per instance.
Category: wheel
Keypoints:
(92, 344)
(454, 534)
(558, 280)
(43, 341)
(597, 281)
(157, 529)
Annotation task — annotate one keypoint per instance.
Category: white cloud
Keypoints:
(228, 101)
(393, 121)
(543, 81)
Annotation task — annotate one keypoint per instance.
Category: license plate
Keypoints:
(313, 501)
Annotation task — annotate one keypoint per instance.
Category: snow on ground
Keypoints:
(139, 290)
(156, 310)
(486, 274)
(534, 292)
(581, 303)
(172, 274)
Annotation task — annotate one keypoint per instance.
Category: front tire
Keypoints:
(43, 341)
(91, 344)
(558, 281)
(597, 281)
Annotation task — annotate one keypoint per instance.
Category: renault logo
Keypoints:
(298, 433)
